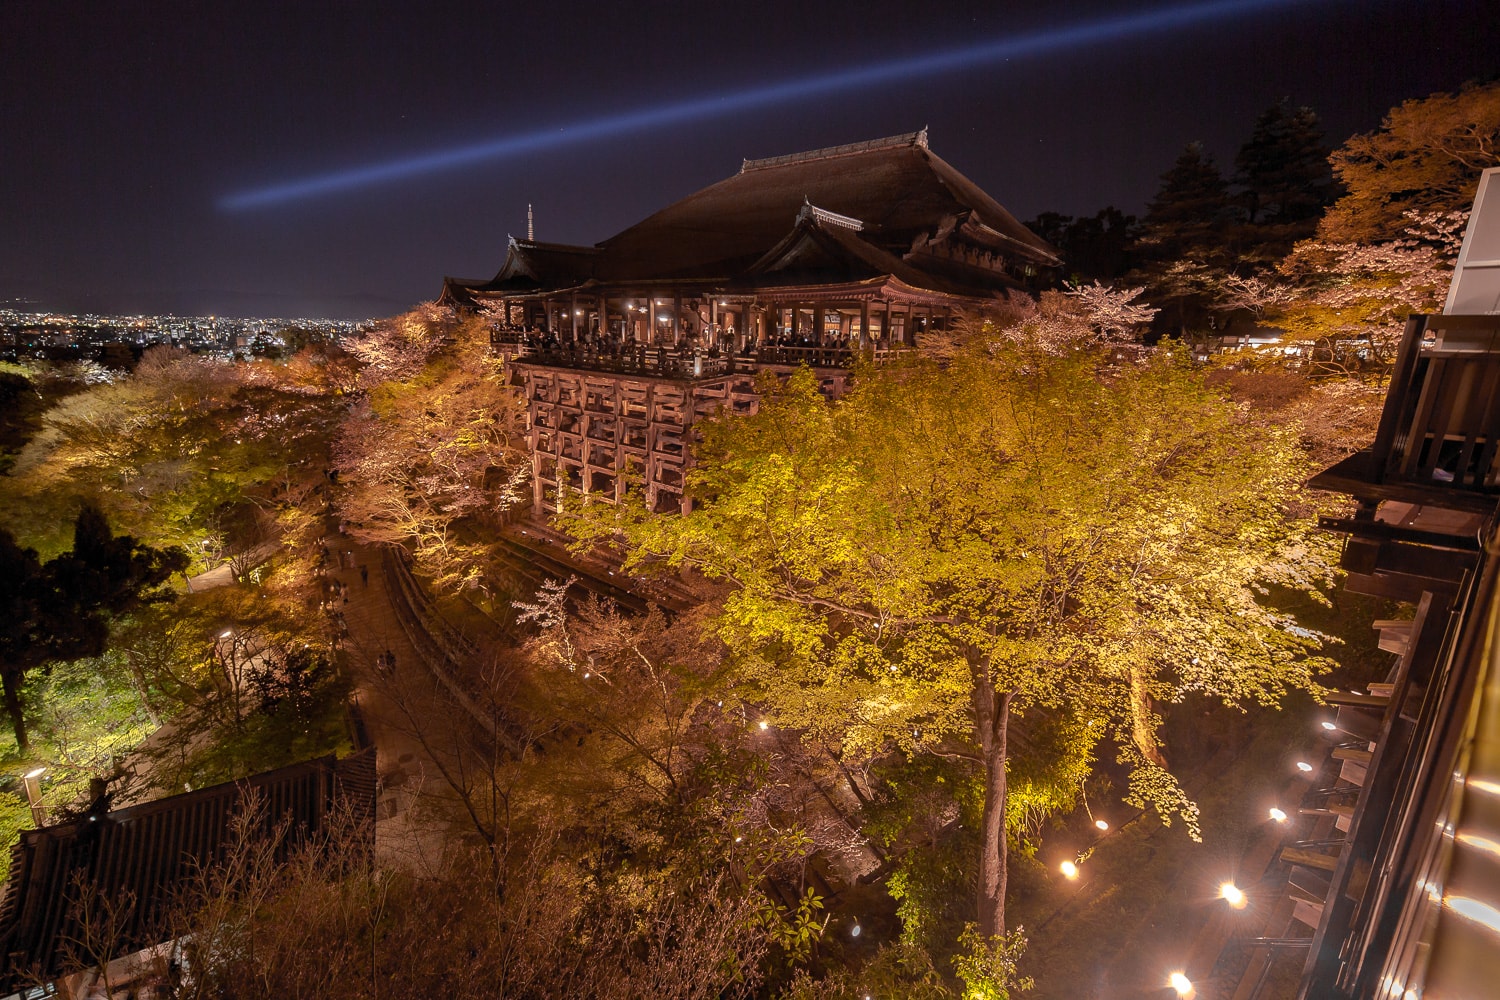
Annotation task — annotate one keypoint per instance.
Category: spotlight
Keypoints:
(1182, 984)
(1329, 725)
(1233, 895)
(1303, 766)
(1101, 824)
(1069, 870)
(1278, 815)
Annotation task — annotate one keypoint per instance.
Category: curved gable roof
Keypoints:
(897, 187)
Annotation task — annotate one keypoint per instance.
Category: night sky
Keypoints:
(125, 126)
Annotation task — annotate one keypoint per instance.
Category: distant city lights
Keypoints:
(24, 334)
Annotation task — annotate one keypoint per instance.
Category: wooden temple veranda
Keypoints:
(813, 258)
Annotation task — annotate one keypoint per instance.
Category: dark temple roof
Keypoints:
(903, 196)
(898, 188)
(145, 853)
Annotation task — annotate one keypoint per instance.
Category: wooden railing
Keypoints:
(1441, 423)
(668, 362)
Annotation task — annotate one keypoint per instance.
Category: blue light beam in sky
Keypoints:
(1110, 29)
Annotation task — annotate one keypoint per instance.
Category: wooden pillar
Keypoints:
(676, 318)
(864, 325)
(573, 308)
(820, 325)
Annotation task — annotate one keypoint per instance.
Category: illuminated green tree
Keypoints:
(171, 450)
(960, 542)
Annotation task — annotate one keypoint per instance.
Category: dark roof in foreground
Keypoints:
(144, 853)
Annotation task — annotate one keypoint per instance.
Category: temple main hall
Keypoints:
(812, 258)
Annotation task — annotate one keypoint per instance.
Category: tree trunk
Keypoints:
(994, 720)
(12, 688)
(142, 691)
(1142, 721)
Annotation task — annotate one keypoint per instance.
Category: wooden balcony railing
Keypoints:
(1438, 442)
(670, 362)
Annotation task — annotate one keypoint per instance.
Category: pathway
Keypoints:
(395, 704)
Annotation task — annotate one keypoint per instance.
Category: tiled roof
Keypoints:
(145, 852)
(896, 193)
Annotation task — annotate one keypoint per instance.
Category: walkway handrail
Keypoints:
(407, 599)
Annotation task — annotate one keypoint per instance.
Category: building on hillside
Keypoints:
(138, 859)
(810, 258)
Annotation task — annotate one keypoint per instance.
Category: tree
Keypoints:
(435, 441)
(1284, 179)
(1184, 237)
(1112, 313)
(1098, 247)
(962, 541)
(329, 917)
(1348, 302)
(61, 609)
(1426, 157)
(169, 450)
(1190, 213)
